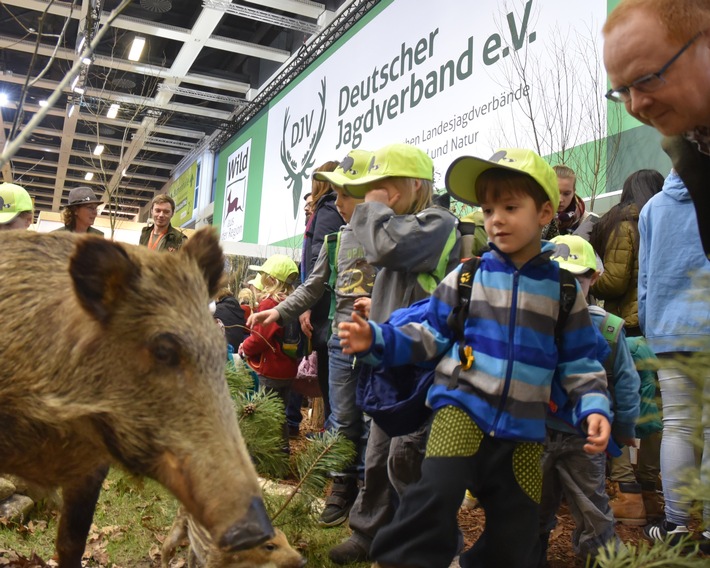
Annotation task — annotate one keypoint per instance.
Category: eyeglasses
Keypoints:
(647, 83)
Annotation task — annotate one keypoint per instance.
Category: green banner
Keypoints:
(183, 192)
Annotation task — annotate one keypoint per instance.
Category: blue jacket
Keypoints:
(511, 328)
(674, 311)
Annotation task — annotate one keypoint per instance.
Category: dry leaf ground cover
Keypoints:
(133, 516)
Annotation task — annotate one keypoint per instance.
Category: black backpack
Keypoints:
(457, 317)
(294, 342)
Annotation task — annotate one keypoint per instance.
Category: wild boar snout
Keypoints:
(251, 531)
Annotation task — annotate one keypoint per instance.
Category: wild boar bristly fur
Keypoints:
(110, 355)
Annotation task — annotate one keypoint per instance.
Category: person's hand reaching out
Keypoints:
(355, 336)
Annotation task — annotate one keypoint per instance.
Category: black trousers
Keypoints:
(506, 478)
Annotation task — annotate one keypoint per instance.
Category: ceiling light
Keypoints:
(89, 176)
(98, 150)
(124, 172)
(86, 61)
(82, 40)
(3, 99)
(136, 48)
(113, 111)
(74, 82)
(43, 103)
(71, 110)
(79, 90)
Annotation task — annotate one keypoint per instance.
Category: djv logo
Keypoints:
(298, 134)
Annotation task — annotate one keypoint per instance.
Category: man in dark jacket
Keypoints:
(657, 56)
(161, 235)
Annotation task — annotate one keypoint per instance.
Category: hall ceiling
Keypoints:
(203, 61)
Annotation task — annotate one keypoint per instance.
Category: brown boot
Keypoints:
(654, 504)
(627, 504)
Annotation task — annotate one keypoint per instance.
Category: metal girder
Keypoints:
(302, 7)
(202, 95)
(153, 29)
(261, 16)
(298, 63)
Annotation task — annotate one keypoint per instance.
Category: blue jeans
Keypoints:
(684, 406)
(345, 417)
(293, 409)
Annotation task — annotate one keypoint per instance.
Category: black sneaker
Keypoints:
(338, 503)
(348, 552)
(665, 531)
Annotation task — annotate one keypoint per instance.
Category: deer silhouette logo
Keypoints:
(296, 169)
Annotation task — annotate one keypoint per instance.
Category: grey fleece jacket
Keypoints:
(402, 246)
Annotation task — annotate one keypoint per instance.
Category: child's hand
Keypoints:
(382, 196)
(598, 431)
(305, 320)
(266, 317)
(362, 305)
(355, 336)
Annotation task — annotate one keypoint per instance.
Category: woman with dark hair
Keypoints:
(315, 322)
(615, 239)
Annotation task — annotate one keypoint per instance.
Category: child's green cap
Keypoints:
(257, 283)
(395, 160)
(575, 254)
(280, 267)
(353, 166)
(14, 200)
(464, 171)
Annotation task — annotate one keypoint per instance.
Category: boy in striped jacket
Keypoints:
(491, 394)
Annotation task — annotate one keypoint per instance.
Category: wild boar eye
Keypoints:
(166, 349)
(269, 547)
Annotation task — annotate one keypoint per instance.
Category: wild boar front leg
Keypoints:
(77, 514)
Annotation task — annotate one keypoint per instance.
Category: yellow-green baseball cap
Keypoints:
(14, 199)
(464, 171)
(280, 267)
(574, 254)
(395, 160)
(353, 166)
(256, 282)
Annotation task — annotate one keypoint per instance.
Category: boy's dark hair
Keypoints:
(492, 182)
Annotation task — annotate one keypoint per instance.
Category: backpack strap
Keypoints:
(332, 242)
(610, 328)
(430, 280)
(568, 294)
(457, 318)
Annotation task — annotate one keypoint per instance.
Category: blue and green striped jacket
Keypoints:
(511, 327)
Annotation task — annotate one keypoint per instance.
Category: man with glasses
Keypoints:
(657, 56)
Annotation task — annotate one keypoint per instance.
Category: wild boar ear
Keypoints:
(102, 273)
(203, 247)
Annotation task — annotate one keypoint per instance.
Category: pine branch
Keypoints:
(327, 452)
(260, 416)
